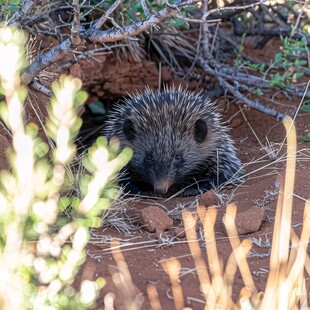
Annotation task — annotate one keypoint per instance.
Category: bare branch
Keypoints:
(234, 8)
(234, 90)
(37, 86)
(112, 35)
(252, 104)
(93, 7)
(95, 35)
(230, 78)
(195, 20)
(205, 31)
(145, 9)
(43, 61)
(75, 28)
(85, 55)
(102, 20)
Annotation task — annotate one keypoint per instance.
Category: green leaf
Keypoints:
(258, 92)
(177, 22)
(13, 8)
(278, 58)
(63, 203)
(297, 76)
(306, 107)
(191, 9)
(41, 148)
(277, 81)
(238, 62)
(262, 68)
(300, 62)
(305, 138)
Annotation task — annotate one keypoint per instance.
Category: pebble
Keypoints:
(250, 220)
(209, 198)
(154, 219)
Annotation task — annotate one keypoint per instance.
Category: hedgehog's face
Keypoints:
(164, 159)
(162, 174)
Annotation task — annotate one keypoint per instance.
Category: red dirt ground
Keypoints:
(144, 251)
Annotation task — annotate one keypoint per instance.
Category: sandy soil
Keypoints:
(144, 251)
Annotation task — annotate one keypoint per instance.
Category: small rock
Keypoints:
(250, 220)
(209, 198)
(155, 219)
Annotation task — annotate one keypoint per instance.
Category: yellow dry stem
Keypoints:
(286, 287)
(239, 250)
(191, 235)
(286, 215)
(123, 281)
(153, 297)
(220, 295)
(172, 266)
(295, 242)
(296, 274)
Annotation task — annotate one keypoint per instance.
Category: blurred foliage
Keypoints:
(40, 252)
(9, 7)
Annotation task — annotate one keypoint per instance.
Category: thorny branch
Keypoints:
(45, 60)
(145, 9)
(75, 28)
(85, 55)
(102, 20)
(41, 88)
(93, 34)
(105, 29)
(234, 90)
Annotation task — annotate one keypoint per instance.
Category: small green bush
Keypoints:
(40, 252)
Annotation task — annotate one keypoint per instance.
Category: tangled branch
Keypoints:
(107, 28)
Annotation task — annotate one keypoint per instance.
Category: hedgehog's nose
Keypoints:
(161, 187)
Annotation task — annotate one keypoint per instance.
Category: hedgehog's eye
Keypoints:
(177, 158)
(129, 130)
(200, 130)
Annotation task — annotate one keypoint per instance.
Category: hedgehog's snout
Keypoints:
(161, 186)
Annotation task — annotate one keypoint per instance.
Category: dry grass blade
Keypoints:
(172, 267)
(153, 297)
(296, 273)
(238, 249)
(132, 298)
(278, 291)
(191, 235)
(295, 242)
(220, 296)
(286, 215)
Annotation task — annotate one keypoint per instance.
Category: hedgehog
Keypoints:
(180, 145)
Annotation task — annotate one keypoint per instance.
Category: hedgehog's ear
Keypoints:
(129, 130)
(200, 130)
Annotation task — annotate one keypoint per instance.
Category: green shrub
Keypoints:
(40, 253)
